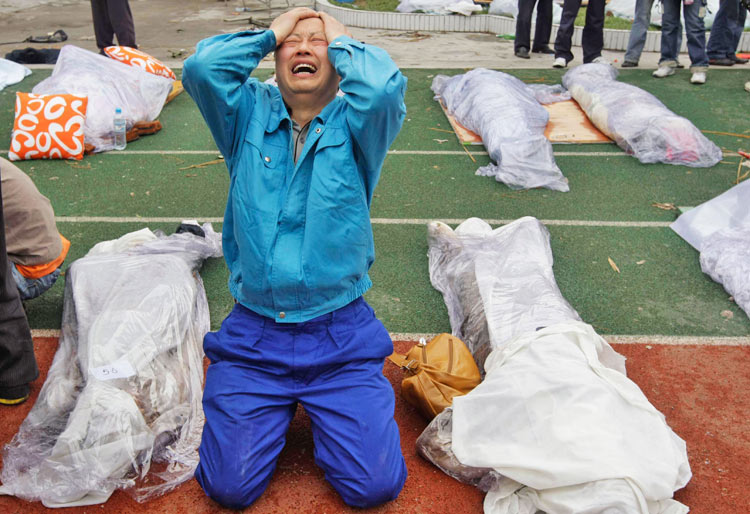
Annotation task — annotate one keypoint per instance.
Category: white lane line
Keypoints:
(660, 340)
(375, 221)
(131, 219)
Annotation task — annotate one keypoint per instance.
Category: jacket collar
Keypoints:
(279, 112)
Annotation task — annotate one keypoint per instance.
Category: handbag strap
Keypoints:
(403, 362)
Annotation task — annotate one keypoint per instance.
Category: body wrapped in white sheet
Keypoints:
(125, 387)
(510, 120)
(636, 120)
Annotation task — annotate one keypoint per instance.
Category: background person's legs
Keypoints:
(102, 26)
(565, 30)
(637, 38)
(593, 31)
(543, 25)
(523, 25)
(121, 19)
(696, 36)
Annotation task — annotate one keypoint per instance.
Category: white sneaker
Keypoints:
(699, 77)
(560, 62)
(600, 60)
(663, 71)
(747, 87)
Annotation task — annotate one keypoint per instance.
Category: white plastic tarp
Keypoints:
(729, 210)
(465, 7)
(12, 73)
(511, 122)
(125, 387)
(636, 120)
(108, 84)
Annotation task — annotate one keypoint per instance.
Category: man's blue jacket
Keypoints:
(297, 237)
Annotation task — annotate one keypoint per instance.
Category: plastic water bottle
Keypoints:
(120, 129)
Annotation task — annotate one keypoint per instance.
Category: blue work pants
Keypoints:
(333, 365)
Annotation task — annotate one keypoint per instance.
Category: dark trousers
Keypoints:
(17, 361)
(543, 24)
(113, 17)
(593, 30)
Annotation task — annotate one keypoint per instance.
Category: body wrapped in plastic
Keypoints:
(124, 390)
(636, 120)
(510, 120)
(551, 384)
(108, 84)
(509, 267)
(725, 257)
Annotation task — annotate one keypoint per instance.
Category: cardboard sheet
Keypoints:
(567, 124)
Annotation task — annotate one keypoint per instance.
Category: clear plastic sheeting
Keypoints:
(12, 73)
(725, 257)
(121, 405)
(465, 7)
(549, 93)
(434, 444)
(510, 120)
(510, 8)
(557, 415)
(497, 284)
(729, 210)
(636, 120)
(108, 84)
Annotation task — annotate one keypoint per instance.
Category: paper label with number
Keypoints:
(118, 369)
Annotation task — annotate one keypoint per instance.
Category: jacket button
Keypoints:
(282, 315)
(268, 159)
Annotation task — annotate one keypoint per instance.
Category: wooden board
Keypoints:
(567, 124)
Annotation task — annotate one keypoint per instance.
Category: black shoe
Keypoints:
(523, 53)
(737, 60)
(724, 61)
(14, 395)
(629, 64)
(544, 50)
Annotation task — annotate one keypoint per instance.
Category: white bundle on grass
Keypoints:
(636, 120)
(510, 120)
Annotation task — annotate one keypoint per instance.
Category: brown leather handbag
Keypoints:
(437, 372)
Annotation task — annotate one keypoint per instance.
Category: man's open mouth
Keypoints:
(304, 69)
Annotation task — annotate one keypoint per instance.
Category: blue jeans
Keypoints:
(726, 30)
(30, 288)
(333, 365)
(639, 30)
(694, 29)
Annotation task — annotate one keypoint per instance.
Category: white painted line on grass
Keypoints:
(375, 221)
(660, 340)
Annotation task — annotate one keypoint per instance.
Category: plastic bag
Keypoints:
(124, 390)
(496, 284)
(510, 8)
(636, 120)
(505, 113)
(464, 7)
(725, 257)
(108, 84)
(726, 211)
(12, 73)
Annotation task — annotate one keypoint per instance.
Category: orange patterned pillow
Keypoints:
(140, 59)
(48, 127)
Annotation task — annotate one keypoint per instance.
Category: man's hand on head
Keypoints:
(283, 25)
(333, 27)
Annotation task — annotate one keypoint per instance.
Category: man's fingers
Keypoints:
(333, 27)
(283, 25)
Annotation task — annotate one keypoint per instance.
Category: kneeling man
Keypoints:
(303, 165)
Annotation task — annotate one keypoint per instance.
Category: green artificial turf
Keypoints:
(666, 294)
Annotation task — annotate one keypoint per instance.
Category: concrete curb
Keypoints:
(491, 23)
